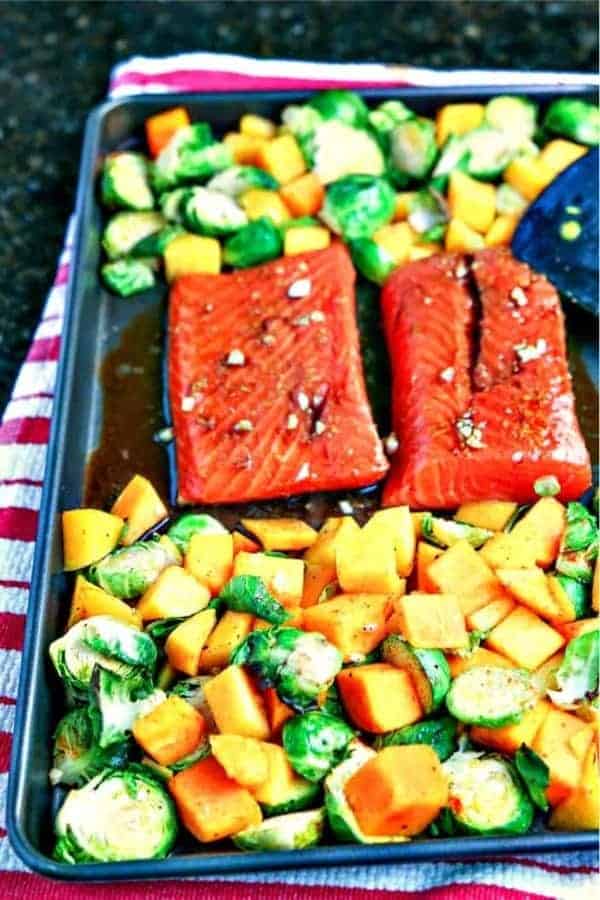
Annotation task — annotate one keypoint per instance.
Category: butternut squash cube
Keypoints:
(472, 202)
(525, 638)
(184, 645)
(283, 576)
(259, 202)
(210, 560)
(559, 154)
(542, 527)
(433, 620)
(423, 251)
(281, 534)
(457, 118)
(397, 239)
(305, 239)
(529, 175)
(487, 617)
(244, 759)
(192, 254)
(171, 731)
(461, 238)
(509, 738)
(479, 657)
(396, 523)
(334, 532)
(404, 201)
(161, 127)
(282, 781)
(236, 705)
(90, 600)
(354, 623)
(378, 697)
(244, 147)
(461, 571)
(241, 542)
(491, 514)
(581, 808)
(318, 577)
(531, 587)
(257, 126)
(366, 564)
(282, 158)
(554, 743)
(505, 551)
(426, 553)
(230, 630)
(140, 506)
(88, 535)
(304, 196)
(500, 232)
(175, 594)
(278, 712)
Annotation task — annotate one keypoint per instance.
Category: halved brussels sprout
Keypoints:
(236, 180)
(575, 119)
(413, 148)
(428, 669)
(255, 243)
(440, 734)
(517, 116)
(446, 532)
(191, 154)
(75, 661)
(357, 205)
(127, 277)
(193, 523)
(248, 593)
(119, 815)
(492, 697)
(315, 743)
(579, 544)
(372, 260)
(577, 676)
(192, 690)
(535, 775)
(301, 121)
(170, 204)
(130, 571)
(294, 831)
(78, 756)
(120, 701)
(384, 118)
(110, 637)
(336, 150)
(126, 229)
(157, 242)
(428, 210)
(125, 182)
(211, 213)
(338, 103)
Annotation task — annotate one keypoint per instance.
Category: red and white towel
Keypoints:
(23, 439)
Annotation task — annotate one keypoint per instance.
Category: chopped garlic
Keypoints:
(530, 352)
(317, 316)
(319, 427)
(292, 421)
(243, 425)
(447, 374)
(302, 401)
(303, 472)
(235, 358)
(299, 289)
(519, 296)
(391, 444)
(187, 404)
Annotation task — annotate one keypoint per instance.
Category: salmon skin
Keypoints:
(482, 401)
(266, 384)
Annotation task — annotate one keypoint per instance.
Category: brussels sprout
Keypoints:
(170, 204)
(332, 703)
(516, 116)
(120, 701)
(119, 815)
(248, 593)
(110, 637)
(484, 153)
(490, 696)
(160, 629)
(428, 669)
(211, 213)
(579, 544)
(454, 156)
(578, 565)
(336, 150)
(413, 148)
(301, 121)
(201, 752)
(255, 243)
(572, 592)
(356, 206)
(485, 796)
(574, 119)
(547, 486)
(75, 661)
(301, 222)
(125, 182)
(156, 244)
(577, 676)
(427, 211)
(77, 755)
(293, 831)
(347, 106)
(126, 229)
(509, 201)
(315, 743)
(192, 690)
(372, 260)
(437, 733)
(130, 571)
(193, 523)
(127, 277)
(446, 532)
(191, 154)
(535, 775)
(387, 115)
(238, 179)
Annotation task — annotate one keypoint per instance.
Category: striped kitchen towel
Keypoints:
(23, 439)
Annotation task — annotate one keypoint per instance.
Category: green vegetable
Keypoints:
(75, 661)
(255, 243)
(77, 755)
(293, 831)
(490, 696)
(193, 523)
(120, 701)
(347, 106)
(248, 593)
(428, 211)
(372, 260)
(109, 637)
(236, 180)
(301, 222)
(437, 733)
(332, 703)
(335, 150)
(130, 571)
(192, 690)
(127, 277)
(428, 669)
(413, 148)
(578, 564)
(509, 201)
(157, 242)
(301, 121)
(547, 486)
(357, 205)
(516, 116)
(446, 532)
(191, 155)
(211, 213)
(160, 629)
(125, 182)
(201, 752)
(576, 593)
(126, 229)
(535, 775)
(303, 795)
(315, 743)
(483, 152)
(577, 676)
(579, 544)
(119, 815)
(384, 118)
(170, 204)
(574, 119)
(485, 797)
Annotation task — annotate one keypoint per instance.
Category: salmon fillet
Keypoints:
(482, 399)
(266, 384)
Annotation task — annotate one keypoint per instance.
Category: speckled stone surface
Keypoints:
(56, 57)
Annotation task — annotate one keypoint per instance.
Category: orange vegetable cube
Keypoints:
(257, 126)
(335, 531)
(423, 251)
(282, 158)
(354, 623)
(243, 758)
(366, 564)
(210, 560)
(184, 645)
(171, 731)
(174, 594)
(581, 809)
(554, 743)
(90, 600)
(508, 552)
(472, 202)
(318, 577)
(396, 523)
(542, 527)
(192, 254)
(491, 514)
(236, 705)
(282, 782)
(259, 202)
(230, 630)
(397, 239)
(281, 534)
(529, 175)
(378, 697)
(531, 587)
(501, 231)
(479, 657)
(525, 638)
(433, 620)
(283, 576)
(558, 154)
(426, 553)
(161, 128)
(88, 535)
(461, 238)
(489, 616)
(305, 239)
(457, 118)
(304, 196)
(244, 147)
(278, 712)
(241, 542)
(461, 571)
(509, 738)
(140, 507)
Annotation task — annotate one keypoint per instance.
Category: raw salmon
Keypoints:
(482, 398)
(266, 383)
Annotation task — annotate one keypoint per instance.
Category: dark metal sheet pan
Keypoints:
(94, 322)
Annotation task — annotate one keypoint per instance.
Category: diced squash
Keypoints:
(479, 657)
(229, 631)
(210, 560)
(509, 738)
(140, 507)
(531, 587)
(461, 238)
(417, 518)
(558, 154)
(366, 564)
(259, 202)
(490, 615)
(426, 553)
(210, 804)
(283, 576)
(529, 175)
(88, 535)
(90, 600)
(398, 792)
(304, 196)
(554, 743)
(457, 118)
(305, 239)
(184, 645)
(396, 523)
(490, 514)
(170, 731)
(354, 623)
(404, 201)
(508, 552)
(423, 251)
(278, 712)
(192, 254)
(542, 527)
(461, 571)
(282, 781)
(501, 231)
(378, 697)
(243, 543)
(281, 534)
(236, 705)
(433, 620)
(244, 147)
(525, 638)
(581, 808)
(543, 676)
(397, 239)
(334, 532)
(282, 158)
(175, 594)
(257, 126)
(161, 128)
(472, 202)
(317, 578)
(572, 630)
(243, 758)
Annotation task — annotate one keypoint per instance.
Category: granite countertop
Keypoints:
(56, 59)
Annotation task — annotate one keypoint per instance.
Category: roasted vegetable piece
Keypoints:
(107, 636)
(90, 600)
(428, 669)
(119, 815)
(577, 676)
(161, 127)
(284, 791)
(125, 182)
(516, 116)
(120, 701)
(428, 211)
(579, 544)
(156, 243)
(379, 697)
(193, 523)
(184, 645)
(254, 243)
(357, 205)
(491, 696)
(293, 831)
(336, 150)
(77, 755)
(192, 690)
(211, 213)
(248, 593)
(191, 154)
(127, 277)
(384, 118)
(440, 734)
(174, 595)
(315, 742)
(171, 203)
(236, 705)
(128, 572)
(372, 260)
(300, 121)
(572, 596)
(485, 797)
(535, 775)
(574, 119)
(244, 759)
(171, 731)
(140, 506)
(445, 532)
(337, 103)
(413, 148)
(238, 179)
(88, 535)
(126, 229)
